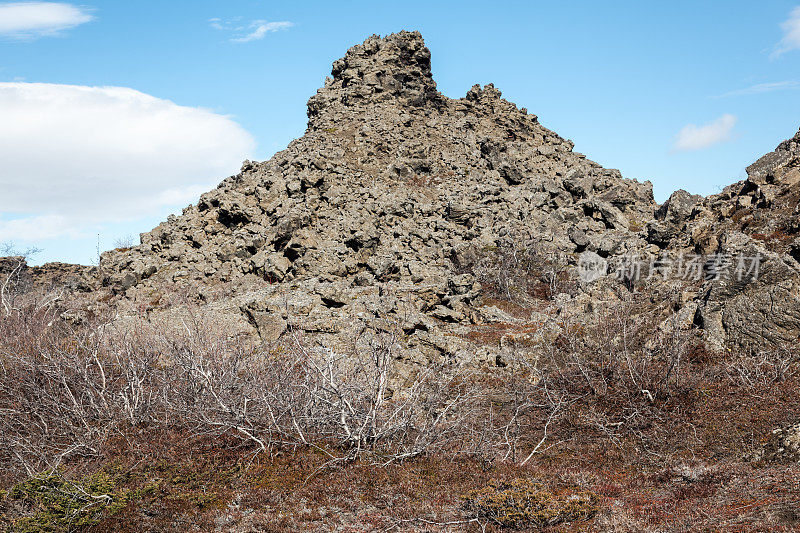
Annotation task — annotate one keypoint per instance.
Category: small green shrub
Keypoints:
(525, 503)
(50, 502)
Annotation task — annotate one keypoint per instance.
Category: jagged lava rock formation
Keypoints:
(757, 217)
(368, 220)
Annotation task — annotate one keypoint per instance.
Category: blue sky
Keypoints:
(118, 113)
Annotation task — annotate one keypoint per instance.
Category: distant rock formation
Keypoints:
(755, 218)
(47, 276)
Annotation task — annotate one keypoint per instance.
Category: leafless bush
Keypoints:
(54, 398)
(16, 288)
(12, 278)
(620, 369)
(65, 392)
(356, 407)
(343, 404)
(763, 368)
(515, 421)
(124, 242)
(647, 360)
(521, 274)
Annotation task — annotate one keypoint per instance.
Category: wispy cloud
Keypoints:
(38, 227)
(762, 88)
(791, 35)
(252, 31)
(262, 28)
(31, 20)
(693, 137)
(219, 24)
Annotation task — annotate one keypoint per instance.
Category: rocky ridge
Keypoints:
(370, 213)
(758, 217)
(375, 218)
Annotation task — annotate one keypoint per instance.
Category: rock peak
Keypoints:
(402, 206)
(775, 166)
(395, 68)
(791, 145)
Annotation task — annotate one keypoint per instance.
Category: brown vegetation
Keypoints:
(181, 427)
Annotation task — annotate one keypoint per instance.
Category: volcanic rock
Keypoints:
(378, 217)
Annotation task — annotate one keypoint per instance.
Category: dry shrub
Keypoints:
(340, 403)
(620, 374)
(16, 285)
(763, 368)
(517, 274)
(74, 395)
(65, 392)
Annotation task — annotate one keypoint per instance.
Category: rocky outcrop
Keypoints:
(47, 276)
(395, 70)
(372, 219)
(363, 218)
(783, 446)
(778, 167)
(751, 229)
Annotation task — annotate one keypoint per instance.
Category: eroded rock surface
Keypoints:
(376, 217)
(756, 218)
(366, 218)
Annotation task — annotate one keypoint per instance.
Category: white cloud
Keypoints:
(37, 228)
(217, 24)
(182, 195)
(763, 88)
(261, 28)
(254, 31)
(30, 20)
(76, 156)
(693, 137)
(791, 34)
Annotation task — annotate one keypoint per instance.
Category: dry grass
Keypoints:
(187, 429)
